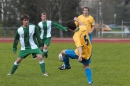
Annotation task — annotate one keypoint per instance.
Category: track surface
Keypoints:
(95, 40)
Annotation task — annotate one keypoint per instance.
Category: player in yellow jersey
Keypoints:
(87, 20)
(82, 51)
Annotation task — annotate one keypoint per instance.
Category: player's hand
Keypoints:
(79, 59)
(75, 19)
(66, 29)
(89, 32)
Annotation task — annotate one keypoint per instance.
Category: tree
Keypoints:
(119, 7)
(57, 10)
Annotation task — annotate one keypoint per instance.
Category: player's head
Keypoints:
(71, 25)
(25, 19)
(43, 16)
(85, 11)
(24, 16)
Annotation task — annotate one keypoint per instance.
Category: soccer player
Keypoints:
(27, 34)
(87, 20)
(82, 52)
(45, 27)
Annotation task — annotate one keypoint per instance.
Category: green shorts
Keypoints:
(46, 41)
(25, 53)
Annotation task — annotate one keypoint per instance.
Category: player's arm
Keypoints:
(39, 29)
(38, 36)
(58, 26)
(80, 53)
(77, 22)
(15, 43)
(79, 46)
(92, 26)
(92, 29)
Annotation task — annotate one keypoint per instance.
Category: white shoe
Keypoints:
(45, 74)
(90, 83)
(9, 74)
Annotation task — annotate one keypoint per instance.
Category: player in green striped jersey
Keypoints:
(45, 27)
(27, 35)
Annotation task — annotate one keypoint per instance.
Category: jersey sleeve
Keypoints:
(93, 21)
(39, 29)
(58, 26)
(38, 36)
(15, 43)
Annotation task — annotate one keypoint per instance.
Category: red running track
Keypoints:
(95, 40)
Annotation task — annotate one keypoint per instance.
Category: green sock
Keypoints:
(43, 54)
(42, 66)
(14, 68)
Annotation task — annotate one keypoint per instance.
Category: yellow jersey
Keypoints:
(87, 21)
(81, 39)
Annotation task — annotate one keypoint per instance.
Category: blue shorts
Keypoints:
(90, 37)
(71, 54)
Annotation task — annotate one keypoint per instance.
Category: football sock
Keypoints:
(42, 66)
(88, 74)
(15, 66)
(44, 52)
(66, 61)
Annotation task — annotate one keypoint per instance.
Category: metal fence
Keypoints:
(9, 32)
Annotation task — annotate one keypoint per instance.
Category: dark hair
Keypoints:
(24, 16)
(86, 8)
(44, 13)
(71, 25)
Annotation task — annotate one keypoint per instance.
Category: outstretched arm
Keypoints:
(77, 22)
(56, 25)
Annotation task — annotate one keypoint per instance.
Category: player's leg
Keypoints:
(90, 37)
(46, 44)
(45, 51)
(22, 54)
(41, 61)
(88, 71)
(15, 66)
(66, 55)
(42, 64)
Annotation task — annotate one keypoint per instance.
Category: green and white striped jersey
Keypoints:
(27, 37)
(45, 28)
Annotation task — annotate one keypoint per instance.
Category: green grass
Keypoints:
(110, 67)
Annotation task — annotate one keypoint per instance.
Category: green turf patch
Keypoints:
(110, 67)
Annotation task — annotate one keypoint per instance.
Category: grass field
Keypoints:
(110, 67)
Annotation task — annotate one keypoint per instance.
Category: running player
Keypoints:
(45, 28)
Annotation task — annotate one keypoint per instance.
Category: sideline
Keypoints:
(95, 40)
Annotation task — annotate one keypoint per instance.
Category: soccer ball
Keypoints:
(60, 57)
